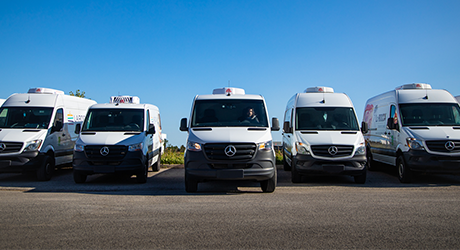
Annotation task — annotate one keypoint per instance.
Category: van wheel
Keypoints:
(404, 173)
(191, 185)
(156, 166)
(361, 179)
(285, 164)
(295, 176)
(79, 177)
(46, 170)
(268, 186)
(141, 176)
(370, 162)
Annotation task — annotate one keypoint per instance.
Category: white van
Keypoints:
(322, 136)
(458, 98)
(229, 138)
(122, 136)
(415, 128)
(2, 101)
(37, 130)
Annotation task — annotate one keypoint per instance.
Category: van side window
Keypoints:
(147, 120)
(59, 119)
(288, 115)
(394, 115)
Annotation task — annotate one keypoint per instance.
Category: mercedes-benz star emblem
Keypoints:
(104, 151)
(2, 147)
(450, 145)
(230, 150)
(332, 150)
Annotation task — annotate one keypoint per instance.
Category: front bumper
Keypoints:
(308, 165)
(261, 167)
(422, 161)
(132, 162)
(27, 161)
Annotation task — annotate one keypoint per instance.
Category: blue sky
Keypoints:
(166, 52)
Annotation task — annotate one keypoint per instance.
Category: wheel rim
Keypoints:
(401, 169)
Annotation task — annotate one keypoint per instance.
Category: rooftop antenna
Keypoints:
(324, 99)
(426, 95)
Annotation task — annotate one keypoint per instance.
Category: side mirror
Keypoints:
(183, 124)
(391, 123)
(57, 126)
(275, 124)
(287, 127)
(364, 127)
(151, 129)
(77, 128)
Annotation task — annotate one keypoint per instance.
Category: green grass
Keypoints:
(171, 156)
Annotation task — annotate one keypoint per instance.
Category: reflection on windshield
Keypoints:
(35, 118)
(430, 114)
(114, 120)
(322, 118)
(229, 113)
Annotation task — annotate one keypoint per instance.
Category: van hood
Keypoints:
(433, 133)
(231, 135)
(110, 138)
(21, 135)
(330, 137)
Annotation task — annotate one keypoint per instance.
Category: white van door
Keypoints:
(392, 136)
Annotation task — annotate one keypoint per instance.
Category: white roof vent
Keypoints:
(319, 90)
(45, 91)
(228, 91)
(414, 86)
(125, 99)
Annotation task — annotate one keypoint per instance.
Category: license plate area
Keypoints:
(333, 168)
(230, 174)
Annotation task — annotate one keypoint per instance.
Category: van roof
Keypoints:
(225, 97)
(121, 106)
(323, 100)
(424, 95)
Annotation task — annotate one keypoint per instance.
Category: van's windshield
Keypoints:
(114, 120)
(229, 113)
(19, 117)
(326, 118)
(430, 114)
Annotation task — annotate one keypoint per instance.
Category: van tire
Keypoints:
(371, 165)
(361, 179)
(156, 165)
(285, 164)
(268, 186)
(141, 176)
(295, 176)
(79, 177)
(46, 169)
(404, 173)
(191, 185)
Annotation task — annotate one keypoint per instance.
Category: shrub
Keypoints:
(172, 156)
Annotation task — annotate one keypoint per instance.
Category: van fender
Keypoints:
(48, 150)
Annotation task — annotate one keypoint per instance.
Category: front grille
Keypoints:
(11, 147)
(216, 151)
(116, 152)
(440, 146)
(323, 150)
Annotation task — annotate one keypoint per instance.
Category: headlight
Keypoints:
(361, 150)
(414, 144)
(193, 146)
(266, 145)
(136, 147)
(78, 148)
(302, 148)
(33, 145)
